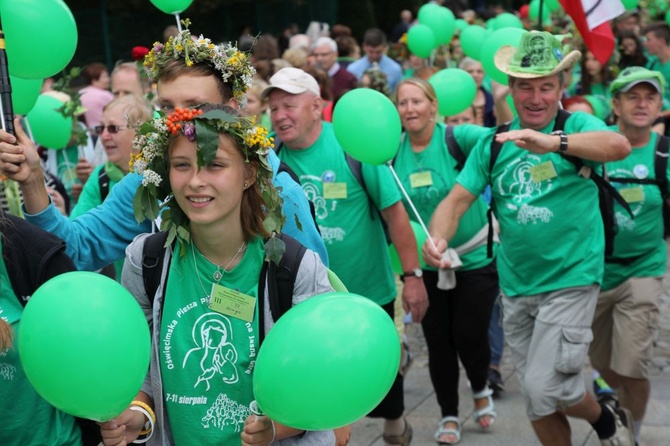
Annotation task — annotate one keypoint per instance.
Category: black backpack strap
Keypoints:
(661, 164)
(153, 254)
(496, 147)
(103, 184)
(454, 149)
(561, 118)
(280, 281)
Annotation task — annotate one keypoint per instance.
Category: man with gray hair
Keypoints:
(325, 53)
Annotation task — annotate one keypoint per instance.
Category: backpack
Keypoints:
(660, 180)
(606, 192)
(281, 278)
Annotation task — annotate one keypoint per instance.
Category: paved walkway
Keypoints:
(512, 427)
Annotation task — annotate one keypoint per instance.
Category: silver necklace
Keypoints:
(220, 270)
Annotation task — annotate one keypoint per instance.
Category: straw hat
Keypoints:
(539, 54)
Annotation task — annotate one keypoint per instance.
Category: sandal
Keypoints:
(403, 439)
(488, 411)
(441, 430)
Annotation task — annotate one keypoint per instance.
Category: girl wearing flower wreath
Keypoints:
(209, 168)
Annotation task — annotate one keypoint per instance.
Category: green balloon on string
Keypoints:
(472, 39)
(507, 20)
(49, 127)
(497, 39)
(534, 11)
(421, 40)
(455, 89)
(172, 6)
(24, 93)
(552, 5)
(461, 24)
(443, 23)
(630, 4)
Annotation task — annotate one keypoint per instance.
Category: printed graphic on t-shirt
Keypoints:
(632, 193)
(518, 181)
(314, 190)
(7, 370)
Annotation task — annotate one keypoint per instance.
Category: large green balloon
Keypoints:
(336, 283)
(455, 90)
(507, 20)
(84, 345)
(24, 93)
(443, 23)
(472, 39)
(420, 237)
(172, 6)
(335, 355)
(41, 37)
(461, 24)
(421, 40)
(49, 127)
(367, 125)
(426, 11)
(495, 40)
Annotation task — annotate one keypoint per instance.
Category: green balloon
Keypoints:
(510, 103)
(336, 283)
(41, 37)
(552, 5)
(49, 127)
(443, 23)
(472, 39)
(420, 236)
(507, 20)
(421, 40)
(335, 355)
(667, 17)
(490, 24)
(534, 11)
(84, 344)
(495, 40)
(426, 11)
(455, 90)
(24, 93)
(172, 6)
(461, 24)
(630, 4)
(367, 125)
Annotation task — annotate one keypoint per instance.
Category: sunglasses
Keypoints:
(113, 129)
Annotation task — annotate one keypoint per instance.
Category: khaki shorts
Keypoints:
(548, 336)
(624, 324)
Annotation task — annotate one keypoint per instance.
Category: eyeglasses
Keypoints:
(113, 129)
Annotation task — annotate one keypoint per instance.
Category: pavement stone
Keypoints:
(512, 427)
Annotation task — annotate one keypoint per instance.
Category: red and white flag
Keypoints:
(592, 19)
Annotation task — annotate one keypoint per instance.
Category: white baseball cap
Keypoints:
(293, 81)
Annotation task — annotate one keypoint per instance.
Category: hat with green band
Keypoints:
(539, 54)
(632, 76)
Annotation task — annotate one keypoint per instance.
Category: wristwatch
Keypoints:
(414, 273)
(563, 147)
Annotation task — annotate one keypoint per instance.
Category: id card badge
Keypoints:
(632, 194)
(334, 191)
(543, 171)
(232, 303)
(420, 179)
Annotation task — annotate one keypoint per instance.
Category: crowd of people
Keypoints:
(542, 153)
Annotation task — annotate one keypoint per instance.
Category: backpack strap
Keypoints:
(454, 149)
(280, 280)
(103, 184)
(153, 254)
(661, 164)
(496, 147)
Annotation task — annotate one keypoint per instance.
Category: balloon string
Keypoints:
(176, 16)
(29, 132)
(416, 213)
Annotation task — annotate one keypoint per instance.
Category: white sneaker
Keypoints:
(623, 436)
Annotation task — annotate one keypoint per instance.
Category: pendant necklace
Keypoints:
(220, 269)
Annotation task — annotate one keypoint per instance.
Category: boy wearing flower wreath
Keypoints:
(188, 72)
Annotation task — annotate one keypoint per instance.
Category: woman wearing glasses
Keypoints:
(116, 131)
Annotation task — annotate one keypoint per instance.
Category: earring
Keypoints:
(246, 184)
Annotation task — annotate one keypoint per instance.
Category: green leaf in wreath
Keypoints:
(208, 142)
(274, 249)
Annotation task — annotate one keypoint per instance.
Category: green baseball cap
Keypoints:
(631, 76)
(539, 54)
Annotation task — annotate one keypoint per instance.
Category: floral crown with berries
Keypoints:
(200, 125)
(233, 65)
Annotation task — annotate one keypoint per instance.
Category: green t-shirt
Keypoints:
(91, 197)
(206, 357)
(26, 418)
(664, 69)
(353, 234)
(551, 231)
(428, 177)
(642, 236)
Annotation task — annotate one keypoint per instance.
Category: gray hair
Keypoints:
(325, 41)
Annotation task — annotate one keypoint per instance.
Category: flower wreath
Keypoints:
(234, 65)
(154, 195)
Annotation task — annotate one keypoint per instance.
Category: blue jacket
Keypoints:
(100, 236)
